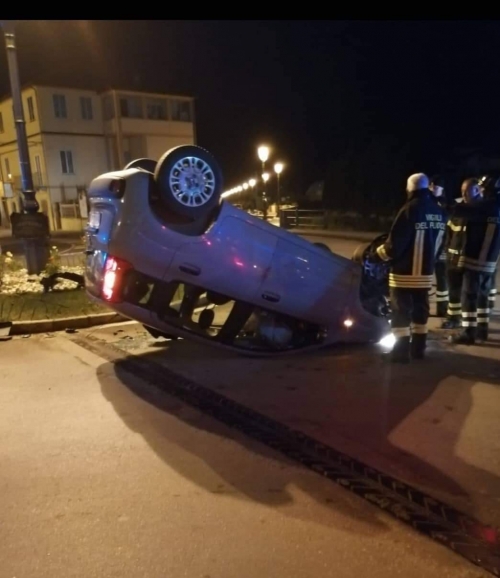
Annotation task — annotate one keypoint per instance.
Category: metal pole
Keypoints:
(30, 204)
(31, 226)
(279, 198)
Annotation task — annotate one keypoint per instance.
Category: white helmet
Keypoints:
(417, 181)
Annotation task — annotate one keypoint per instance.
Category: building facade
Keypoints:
(74, 135)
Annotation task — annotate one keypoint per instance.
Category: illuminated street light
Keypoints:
(263, 153)
(278, 167)
(245, 186)
(265, 177)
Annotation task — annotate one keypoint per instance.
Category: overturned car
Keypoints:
(164, 249)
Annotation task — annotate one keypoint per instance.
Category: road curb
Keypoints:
(78, 322)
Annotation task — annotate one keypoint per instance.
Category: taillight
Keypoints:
(112, 284)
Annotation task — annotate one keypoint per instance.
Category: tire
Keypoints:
(189, 181)
(148, 165)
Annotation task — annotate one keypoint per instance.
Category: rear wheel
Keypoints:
(189, 181)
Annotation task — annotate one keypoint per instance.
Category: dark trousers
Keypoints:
(475, 301)
(410, 311)
(455, 282)
(442, 295)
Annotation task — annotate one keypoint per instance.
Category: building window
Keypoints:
(156, 109)
(130, 107)
(1, 123)
(86, 107)
(8, 176)
(31, 109)
(181, 110)
(67, 162)
(59, 101)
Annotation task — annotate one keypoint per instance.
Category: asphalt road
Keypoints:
(107, 472)
(102, 474)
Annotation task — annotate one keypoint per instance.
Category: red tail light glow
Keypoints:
(114, 271)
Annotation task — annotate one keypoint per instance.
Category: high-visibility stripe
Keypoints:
(469, 323)
(439, 240)
(456, 228)
(469, 313)
(419, 329)
(401, 332)
(452, 305)
(410, 282)
(477, 265)
(418, 252)
(483, 311)
(442, 296)
(400, 277)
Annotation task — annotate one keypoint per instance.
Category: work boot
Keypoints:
(466, 337)
(482, 332)
(451, 323)
(441, 308)
(400, 352)
(418, 345)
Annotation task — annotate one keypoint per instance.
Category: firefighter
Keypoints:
(411, 247)
(453, 248)
(479, 260)
(442, 295)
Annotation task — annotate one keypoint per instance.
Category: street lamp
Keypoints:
(278, 167)
(31, 226)
(263, 153)
(265, 178)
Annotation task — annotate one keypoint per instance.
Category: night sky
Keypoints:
(303, 87)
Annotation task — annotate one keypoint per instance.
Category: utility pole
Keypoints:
(31, 226)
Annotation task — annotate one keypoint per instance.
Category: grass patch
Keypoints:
(52, 305)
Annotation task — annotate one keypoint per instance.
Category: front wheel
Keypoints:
(189, 181)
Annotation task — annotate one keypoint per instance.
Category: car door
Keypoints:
(307, 282)
(232, 259)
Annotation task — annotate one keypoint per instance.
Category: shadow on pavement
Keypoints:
(408, 418)
(198, 456)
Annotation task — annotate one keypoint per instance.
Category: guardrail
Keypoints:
(308, 218)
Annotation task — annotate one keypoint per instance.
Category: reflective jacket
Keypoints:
(482, 236)
(415, 238)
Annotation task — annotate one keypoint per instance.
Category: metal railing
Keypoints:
(306, 218)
